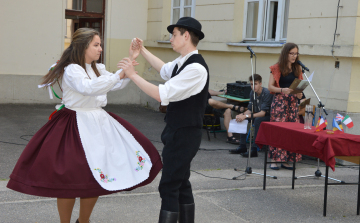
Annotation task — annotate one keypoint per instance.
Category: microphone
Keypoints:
(251, 51)
(303, 66)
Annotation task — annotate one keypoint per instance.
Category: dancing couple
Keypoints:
(86, 152)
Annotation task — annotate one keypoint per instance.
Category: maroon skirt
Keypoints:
(53, 164)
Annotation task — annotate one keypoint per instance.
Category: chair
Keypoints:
(210, 122)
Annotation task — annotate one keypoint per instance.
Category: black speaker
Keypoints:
(240, 89)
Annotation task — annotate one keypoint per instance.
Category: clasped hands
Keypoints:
(128, 63)
(240, 117)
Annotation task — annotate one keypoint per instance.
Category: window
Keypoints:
(85, 6)
(266, 20)
(182, 8)
(74, 5)
(94, 6)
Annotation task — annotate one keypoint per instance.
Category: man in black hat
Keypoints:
(185, 94)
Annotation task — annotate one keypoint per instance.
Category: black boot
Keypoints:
(187, 213)
(254, 153)
(168, 216)
(238, 150)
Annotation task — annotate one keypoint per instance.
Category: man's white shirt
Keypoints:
(190, 81)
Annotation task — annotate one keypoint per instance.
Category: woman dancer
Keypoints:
(84, 151)
(284, 105)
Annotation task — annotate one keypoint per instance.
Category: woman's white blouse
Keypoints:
(110, 149)
(80, 91)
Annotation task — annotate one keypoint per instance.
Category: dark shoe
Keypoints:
(240, 149)
(168, 216)
(274, 168)
(287, 167)
(187, 213)
(253, 154)
(232, 140)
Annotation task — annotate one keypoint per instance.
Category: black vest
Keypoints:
(190, 111)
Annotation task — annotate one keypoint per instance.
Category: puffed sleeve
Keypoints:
(121, 84)
(78, 80)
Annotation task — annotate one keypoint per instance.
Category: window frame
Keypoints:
(283, 19)
(263, 21)
(84, 13)
(259, 24)
(181, 7)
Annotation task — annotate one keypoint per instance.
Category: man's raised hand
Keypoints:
(139, 42)
(134, 49)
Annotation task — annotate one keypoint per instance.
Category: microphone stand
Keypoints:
(321, 106)
(248, 169)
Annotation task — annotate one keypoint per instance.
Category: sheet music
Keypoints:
(298, 86)
(238, 127)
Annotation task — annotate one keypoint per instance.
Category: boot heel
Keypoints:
(168, 216)
(187, 213)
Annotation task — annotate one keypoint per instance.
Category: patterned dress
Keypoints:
(284, 108)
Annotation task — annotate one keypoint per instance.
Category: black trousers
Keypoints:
(180, 147)
(256, 122)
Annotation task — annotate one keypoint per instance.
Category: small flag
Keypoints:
(318, 122)
(322, 123)
(336, 126)
(339, 117)
(348, 122)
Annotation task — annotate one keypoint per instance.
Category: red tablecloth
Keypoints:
(293, 137)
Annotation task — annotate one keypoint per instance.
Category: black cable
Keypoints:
(202, 149)
(13, 143)
(21, 137)
(337, 17)
(341, 166)
(215, 177)
(213, 149)
(351, 167)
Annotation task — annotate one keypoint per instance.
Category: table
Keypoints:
(294, 138)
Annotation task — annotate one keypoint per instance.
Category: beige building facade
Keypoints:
(32, 40)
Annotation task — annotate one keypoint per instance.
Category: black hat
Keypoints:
(188, 23)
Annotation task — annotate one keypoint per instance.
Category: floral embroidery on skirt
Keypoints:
(103, 177)
(283, 109)
(141, 161)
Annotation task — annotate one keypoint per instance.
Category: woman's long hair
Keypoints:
(284, 59)
(74, 54)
